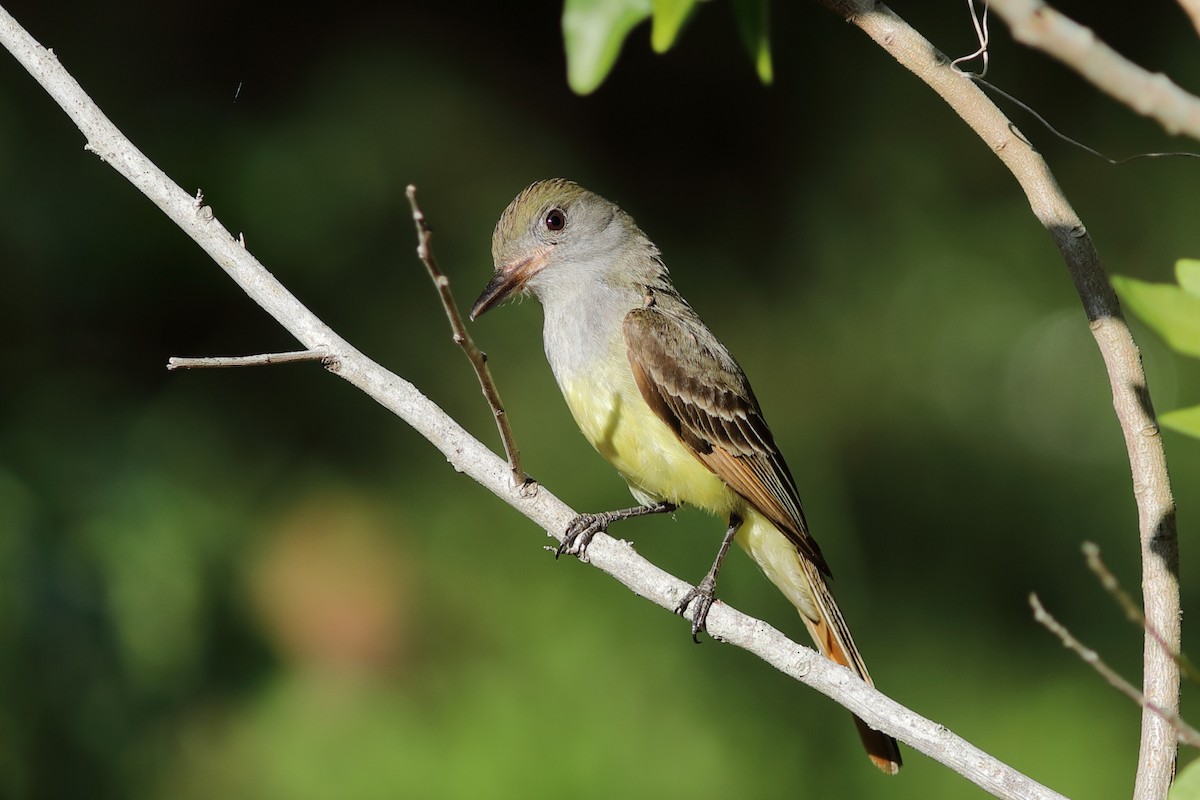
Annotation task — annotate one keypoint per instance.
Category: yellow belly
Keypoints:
(610, 411)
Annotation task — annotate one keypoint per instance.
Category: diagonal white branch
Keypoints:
(469, 456)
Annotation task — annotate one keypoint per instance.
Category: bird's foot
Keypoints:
(703, 596)
(580, 532)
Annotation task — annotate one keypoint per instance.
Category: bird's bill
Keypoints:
(509, 279)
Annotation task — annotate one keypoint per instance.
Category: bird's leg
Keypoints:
(581, 530)
(704, 594)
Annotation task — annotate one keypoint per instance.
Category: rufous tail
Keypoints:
(804, 585)
(832, 636)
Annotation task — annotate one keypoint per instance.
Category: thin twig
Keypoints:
(477, 357)
(1150, 94)
(1091, 552)
(1110, 584)
(1131, 396)
(260, 360)
(1086, 654)
(1186, 733)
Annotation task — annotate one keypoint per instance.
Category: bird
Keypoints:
(660, 397)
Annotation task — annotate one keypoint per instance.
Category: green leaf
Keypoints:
(1187, 272)
(1183, 420)
(669, 19)
(1171, 312)
(593, 32)
(1187, 783)
(752, 17)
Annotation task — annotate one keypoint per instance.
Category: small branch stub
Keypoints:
(260, 360)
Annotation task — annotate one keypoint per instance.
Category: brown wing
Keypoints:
(692, 383)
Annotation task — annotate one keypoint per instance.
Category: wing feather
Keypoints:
(693, 384)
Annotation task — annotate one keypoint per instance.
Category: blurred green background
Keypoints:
(257, 584)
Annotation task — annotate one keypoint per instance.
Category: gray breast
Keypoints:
(582, 331)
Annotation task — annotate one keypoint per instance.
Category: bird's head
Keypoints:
(555, 235)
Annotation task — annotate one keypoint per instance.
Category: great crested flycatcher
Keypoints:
(661, 398)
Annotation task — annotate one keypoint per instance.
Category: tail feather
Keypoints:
(833, 639)
(803, 584)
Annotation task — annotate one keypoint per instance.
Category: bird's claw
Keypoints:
(703, 597)
(579, 534)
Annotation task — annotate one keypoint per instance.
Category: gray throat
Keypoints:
(583, 328)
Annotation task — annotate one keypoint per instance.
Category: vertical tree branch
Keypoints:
(1131, 397)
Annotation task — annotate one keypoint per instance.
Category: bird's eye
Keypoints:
(556, 219)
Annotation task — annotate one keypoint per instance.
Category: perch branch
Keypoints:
(1186, 733)
(469, 456)
(477, 357)
(1122, 361)
(260, 360)
(1150, 94)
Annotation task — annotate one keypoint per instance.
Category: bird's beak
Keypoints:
(509, 279)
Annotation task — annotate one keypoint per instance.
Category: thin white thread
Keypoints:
(982, 36)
